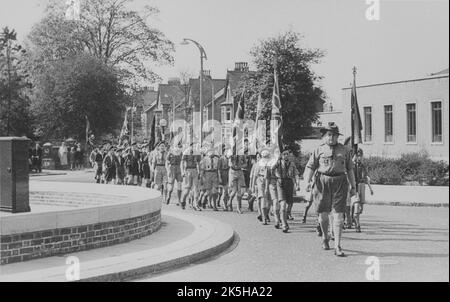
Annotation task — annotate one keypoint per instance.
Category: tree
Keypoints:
(299, 94)
(15, 118)
(108, 30)
(71, 89)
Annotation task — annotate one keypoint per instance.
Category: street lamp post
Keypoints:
(203, 56)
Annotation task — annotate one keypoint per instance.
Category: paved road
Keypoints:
(411, 244)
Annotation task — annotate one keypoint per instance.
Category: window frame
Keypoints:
(371, 124)
(407, 125)
(393, 125)
(442, 121)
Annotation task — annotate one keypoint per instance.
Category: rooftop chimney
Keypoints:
(241, 66)
(174, 81)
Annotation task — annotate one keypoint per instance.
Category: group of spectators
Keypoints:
(72, 157)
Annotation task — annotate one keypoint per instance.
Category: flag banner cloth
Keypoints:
(276, 125)
(238, 130)
(356, 119)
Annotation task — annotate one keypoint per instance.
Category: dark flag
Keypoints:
(356, 123)
(88, 129)
(152, 134)
(356, 117)
(238, 122)
(277, 119)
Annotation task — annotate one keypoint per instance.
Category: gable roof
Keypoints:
(170, 92)
(208, 85)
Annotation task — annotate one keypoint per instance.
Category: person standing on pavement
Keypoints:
(120, 167)
(335, 170)
(363, 178)
(190, 172)
(224, 170)
(237, 180)
(109, 162)
(159, 166)
(173, 168)
(262, 178)
(98, 166)
(284, 171)
(209, 167)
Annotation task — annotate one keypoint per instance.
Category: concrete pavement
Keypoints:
(410, 243)
(183, 239)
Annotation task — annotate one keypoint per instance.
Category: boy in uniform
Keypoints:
(99, 165)
(335, 169)
(262, 178)
(236, 180)
(224, 170)
(209, 168)
(362, 178)
(284, 171)
(159, 166)
(174, 173)
(190, 173)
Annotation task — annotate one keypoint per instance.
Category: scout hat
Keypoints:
(265, 152)
(330, 127)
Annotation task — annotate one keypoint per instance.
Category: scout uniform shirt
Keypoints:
(331, 160)
(210, 164)
(174, 160)
(191, 161)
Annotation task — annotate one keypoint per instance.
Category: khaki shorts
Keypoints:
(236, 179)
(330, 193)
(190, 180)
(210, 182)
(174, 175)
(160, 175)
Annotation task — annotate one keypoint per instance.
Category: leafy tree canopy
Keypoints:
(107, 29)
(301, 98)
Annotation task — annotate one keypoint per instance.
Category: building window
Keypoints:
(226, 134)
(411, 126)
(226, 114)
(436, 122)
(388, 124)
(367, 124)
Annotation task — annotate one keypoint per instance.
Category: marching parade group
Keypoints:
(267, 182)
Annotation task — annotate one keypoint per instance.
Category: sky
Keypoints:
(409, 40)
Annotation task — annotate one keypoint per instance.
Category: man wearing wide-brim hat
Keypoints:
(334, 167)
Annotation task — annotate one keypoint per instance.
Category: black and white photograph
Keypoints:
(244, 143)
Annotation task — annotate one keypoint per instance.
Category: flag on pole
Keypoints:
(125, 131)
(88, 128)
(238, 121)
(356, 117)
(258, 116)
(277, 119)
(153, 134)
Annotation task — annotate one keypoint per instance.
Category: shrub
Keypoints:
(413, 167)
(385, 175)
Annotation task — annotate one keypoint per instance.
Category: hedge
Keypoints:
(409, 169)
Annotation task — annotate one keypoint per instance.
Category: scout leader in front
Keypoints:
(334, 166)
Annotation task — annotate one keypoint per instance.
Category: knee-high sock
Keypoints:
(324, 220)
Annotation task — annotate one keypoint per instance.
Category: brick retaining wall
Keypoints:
(41, 244)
